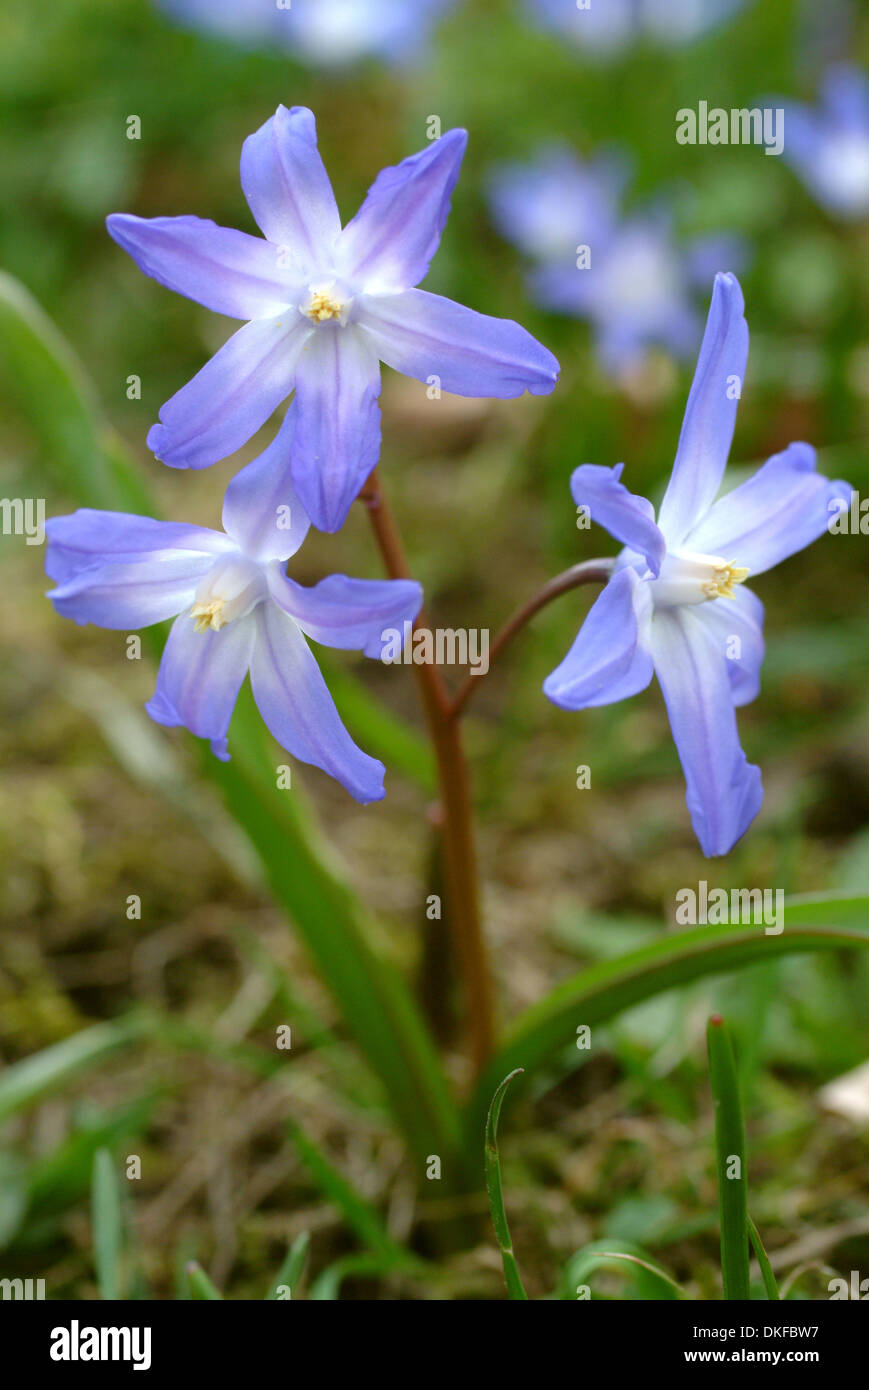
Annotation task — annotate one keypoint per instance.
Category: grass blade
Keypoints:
(201, 1287)
(108, 1237)
(766, 1274)
(653, 1281)
(546, 1031)
(730, 1161)
(28, 1081)
(290, 1271)
(515, 1287)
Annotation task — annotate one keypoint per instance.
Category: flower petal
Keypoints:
(710, 415)
(724, 791)
(394, 235)
(424, 335)
(737, 626)
(296, 706)
(89, 539)
(227, 271)
(288, 190)
(781, 509)
(352, 614)
(231, 397)
(627, 516)
(130, 594)
(610, 659)
(260, 509)
(199, 679)
(337, 423)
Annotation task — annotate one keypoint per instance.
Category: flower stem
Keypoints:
(457, 821)
(589, 572)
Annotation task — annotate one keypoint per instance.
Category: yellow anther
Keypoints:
(322, 308)
(208, 615)
(722, 582)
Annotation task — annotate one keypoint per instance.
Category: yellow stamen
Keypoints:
(722, 582)
(208, 615)
(323, 307)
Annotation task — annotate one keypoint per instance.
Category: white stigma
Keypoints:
(689, 578)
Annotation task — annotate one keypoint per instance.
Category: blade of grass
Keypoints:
(290, 1271)
(766, 1274)
(108, 1236)
(201, 1286)
(546, 1032)
(28, 1081)
(515, 1287)
(653, 1281)
(730, 1160)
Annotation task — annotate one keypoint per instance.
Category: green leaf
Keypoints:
(545, 1033)
(651, 1279)
(729, 1151)
(290, 1271)
(28, 1081)
(107, 1225)
(90, 464)
(515, 1287)
(201, 1286)
(769, 1280)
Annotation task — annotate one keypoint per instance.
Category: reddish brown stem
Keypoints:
(463, 906)
(589, 572)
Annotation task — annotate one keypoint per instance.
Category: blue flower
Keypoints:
(608, 26)
(328, 33)
(626, 275)
(239, 612)
(325, 307)
(829, 148)
(676, 604)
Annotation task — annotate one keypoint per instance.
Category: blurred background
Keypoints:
(97, 804)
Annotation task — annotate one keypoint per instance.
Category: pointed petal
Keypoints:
(231, 397)
(627, 516)
(337, 416)
(710, 415)
(129, 595)
(724, 791)
(424, 335)
(296, 706)
(288, 190)
(394, 235)
(610, 660)
(781, 509)
(89, 539)
(352, 614)
(227, 271)
(261, 510)
(737, 627)
(199, 679)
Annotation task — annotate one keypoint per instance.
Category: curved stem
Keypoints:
(589, 572)
(463, 907)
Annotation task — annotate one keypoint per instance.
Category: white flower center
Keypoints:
(326, 303)
(688, 578)
(229, 591)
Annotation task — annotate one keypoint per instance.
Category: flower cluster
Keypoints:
(323, 306)
(829, 147)
(625, 274)
(613, 25)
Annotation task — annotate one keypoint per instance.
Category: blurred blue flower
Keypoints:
(239, 612)
(628, 277)
(608, 26)
(829, 147)
(675, 605)
(325, 307)
(329, 33)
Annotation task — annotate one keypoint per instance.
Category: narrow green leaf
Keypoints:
(766, 1274)
(107, 1225)
(515, 1287)
(327, 1286)
(28, 1081)
(653, 1281)
(547, 1031)
(290, 1271)
(730, 1161)
(201, 1286)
